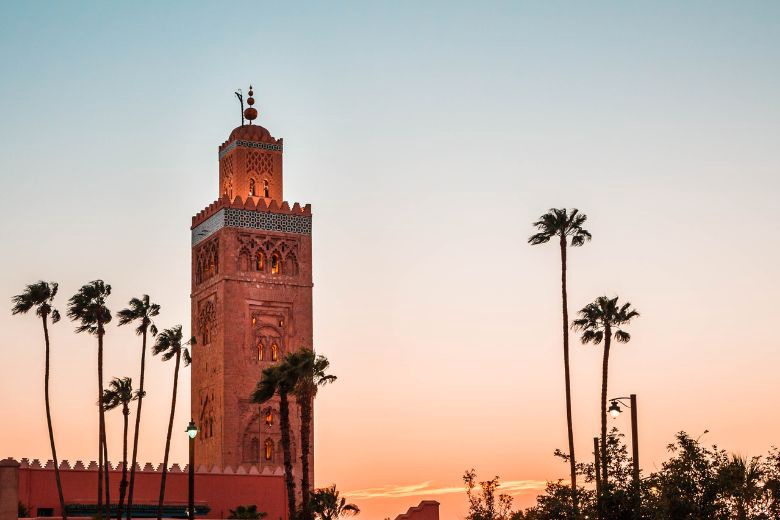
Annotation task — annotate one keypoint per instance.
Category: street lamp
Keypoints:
(614, 411)
(191, 431)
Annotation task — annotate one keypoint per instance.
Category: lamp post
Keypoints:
(192, 431)
(614, 411)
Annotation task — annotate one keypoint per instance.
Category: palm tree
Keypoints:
(567, 226)
(741, 479)
(328, 505)
(170, 344)
(139, 311)
(88, 306)
(280, 379)
(601, 320)
(41, 295)
(310, 373)
(120, 393)
(247, 513)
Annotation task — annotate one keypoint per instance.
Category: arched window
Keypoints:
(266, 189)
(269, 449)
(274, 352)
(260, 261)
(251, 187)
(260, 351)
(276, 263)
(269, 418)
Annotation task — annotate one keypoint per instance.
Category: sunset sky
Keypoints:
(427, 137)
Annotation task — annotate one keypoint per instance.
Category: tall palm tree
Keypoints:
(88, 306)
(330, 506)
(310, 373)
(740, 479)
(601, 320)
(41, 296)
(140, 311)
(120, 393)
(170, 343)
(567, 226)
(280, 379)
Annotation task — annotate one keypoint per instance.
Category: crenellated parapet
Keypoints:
(252, 213)
(91, 466)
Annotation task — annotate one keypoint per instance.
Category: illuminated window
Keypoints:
(269, 418)
(251, 187)
(274, 352)
(269, 449)
(276, 263)
(259, 351)
(259, 261)
(266, 190)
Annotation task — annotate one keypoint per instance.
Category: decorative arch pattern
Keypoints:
(264, 254)
(207, 261)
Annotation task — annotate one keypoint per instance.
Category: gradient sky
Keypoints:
(427, 136)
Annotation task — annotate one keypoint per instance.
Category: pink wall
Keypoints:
(221, 490)
(427, 510)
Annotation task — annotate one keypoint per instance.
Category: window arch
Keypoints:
(269, 449)
(260, 261)
(269, 418)
(274, 352)
(276, 263)
(266, 189)
(251, 187)
(260, 353)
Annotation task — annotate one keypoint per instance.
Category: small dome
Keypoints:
(255, 133)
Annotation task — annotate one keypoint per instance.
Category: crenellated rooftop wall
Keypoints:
(244, 469)
(250, 204)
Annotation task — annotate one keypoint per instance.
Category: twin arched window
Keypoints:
(260, 353)
(251, 187)
(260, 261)
(276, 263)
(269, 418)
(274, 352)
(266, 189)
(269, 449)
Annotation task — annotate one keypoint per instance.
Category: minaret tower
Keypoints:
(251, 301)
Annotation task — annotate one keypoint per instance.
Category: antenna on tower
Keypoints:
(240, 96)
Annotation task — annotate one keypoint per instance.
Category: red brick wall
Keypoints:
(220, 491)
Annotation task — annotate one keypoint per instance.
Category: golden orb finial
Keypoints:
(250, 113)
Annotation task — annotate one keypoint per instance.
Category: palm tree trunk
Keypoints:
(567, 377)
(48, 422)
(284, 418)
(604, 374)
(168, 438)
(101, 424)
(106, 473)
(306, 420)
(137, 427)
(123, 484)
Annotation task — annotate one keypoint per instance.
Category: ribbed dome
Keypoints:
(255, 133)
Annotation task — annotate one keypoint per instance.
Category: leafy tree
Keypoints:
(140, 311)
(120, 393)
(771, 471)
(310, 372)
(40, 296)
(483, 502)
(327, 504)
(247, 513)
(601, 320)
(567, 226)
(280, 379)
(742, 486)
(88, 306)
(170, 343)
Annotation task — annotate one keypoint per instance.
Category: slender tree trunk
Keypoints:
(306, 421)
(48, 421)
(567, 377)
(604, 374)
(107, 473)
(137, 427)
(284, 417)
(101, 424)
(168, 438)
(123, 483)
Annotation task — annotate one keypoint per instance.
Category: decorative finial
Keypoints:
(251, 112)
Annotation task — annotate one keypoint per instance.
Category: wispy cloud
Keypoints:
(511, 487)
